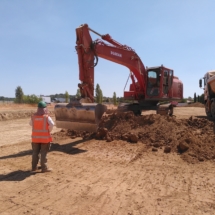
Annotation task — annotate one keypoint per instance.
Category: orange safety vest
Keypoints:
(40, 130)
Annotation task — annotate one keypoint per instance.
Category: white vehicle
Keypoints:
(46, 99)
(60, 100)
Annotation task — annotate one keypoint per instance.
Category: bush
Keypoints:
(183, 100)
(67, 97)
(19, 95)
(114, 99)
(31, 99)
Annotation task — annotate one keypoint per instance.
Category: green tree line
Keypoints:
(27, 99)
(199, 98)
(20, 97)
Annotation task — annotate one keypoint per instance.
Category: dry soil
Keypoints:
(149, 164)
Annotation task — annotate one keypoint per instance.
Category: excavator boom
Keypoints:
(88, 53)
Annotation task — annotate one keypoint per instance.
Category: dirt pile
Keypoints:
(64, 133)
(20, 111)
(192, 138)
(15, 115)
(196, 104)
(10, 115)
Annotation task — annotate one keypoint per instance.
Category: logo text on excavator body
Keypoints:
(116, 54)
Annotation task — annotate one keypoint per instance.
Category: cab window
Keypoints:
(153, 83)
(152, 79)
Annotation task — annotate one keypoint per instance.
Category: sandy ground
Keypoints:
(17, 131)
(182, 112)
(96, 177)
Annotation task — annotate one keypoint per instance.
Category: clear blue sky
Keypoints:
(37, 41)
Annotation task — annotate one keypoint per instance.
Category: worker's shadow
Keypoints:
(18, 175)
(67, 148)
(19, 154)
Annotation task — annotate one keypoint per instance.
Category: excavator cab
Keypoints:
(167, 80)
(153, 83)
(159, 82)
(158, 89)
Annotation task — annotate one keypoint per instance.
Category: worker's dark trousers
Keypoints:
(43, 149)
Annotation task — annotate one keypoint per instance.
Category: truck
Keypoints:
(208, 85)
(149, 85)
(46, 99)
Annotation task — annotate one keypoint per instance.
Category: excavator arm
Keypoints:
(88, 52)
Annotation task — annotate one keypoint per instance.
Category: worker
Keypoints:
(42, 124)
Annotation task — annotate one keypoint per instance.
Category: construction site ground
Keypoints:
(150, 164)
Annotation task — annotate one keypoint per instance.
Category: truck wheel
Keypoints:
(208, 113)
(170, 111)
(213, 110)
(137, 112)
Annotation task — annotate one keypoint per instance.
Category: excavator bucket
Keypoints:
(166, 109)
(79, 116)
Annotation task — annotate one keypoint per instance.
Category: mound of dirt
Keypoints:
(10, 115)
(191, 138)
(65, 133)
(196, 104)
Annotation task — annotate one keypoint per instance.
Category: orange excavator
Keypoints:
(148, 89)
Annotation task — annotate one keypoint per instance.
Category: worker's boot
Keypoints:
(47, 170)
(34, 169)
